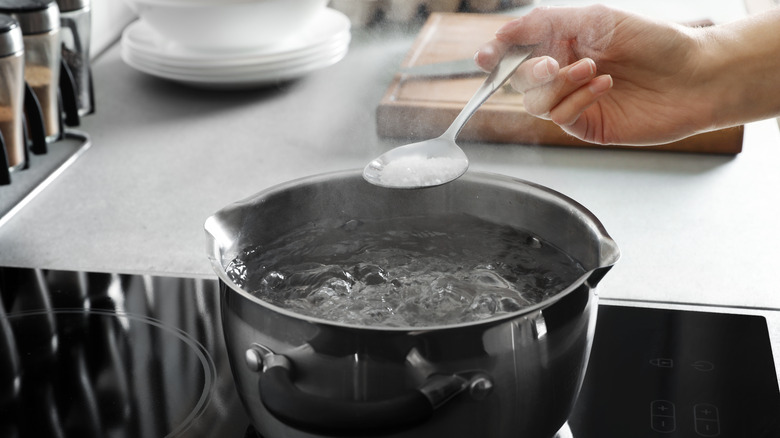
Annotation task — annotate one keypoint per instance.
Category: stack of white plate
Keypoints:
(323, 44)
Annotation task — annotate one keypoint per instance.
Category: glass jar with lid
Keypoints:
(76, 19)
(12, 92)
(40, 24)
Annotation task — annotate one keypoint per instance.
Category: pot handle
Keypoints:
(315, 413)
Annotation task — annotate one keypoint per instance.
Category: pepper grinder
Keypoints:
(40, 24)
(11, 93)
(76, 19)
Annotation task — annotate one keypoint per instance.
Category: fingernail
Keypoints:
(582, 70)
(486, 50)
(543, 69)
(600, 84)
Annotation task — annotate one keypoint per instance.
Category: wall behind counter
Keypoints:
(109, 18)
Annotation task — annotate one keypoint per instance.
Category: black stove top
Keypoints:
(115, 355)
(671, 373)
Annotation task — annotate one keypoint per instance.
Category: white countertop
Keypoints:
(691, 228)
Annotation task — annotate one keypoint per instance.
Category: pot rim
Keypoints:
(609, 252)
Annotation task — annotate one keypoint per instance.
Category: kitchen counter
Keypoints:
(692, 228)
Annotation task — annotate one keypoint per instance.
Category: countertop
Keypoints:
(691, 228)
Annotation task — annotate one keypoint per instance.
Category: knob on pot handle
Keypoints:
(288, 403)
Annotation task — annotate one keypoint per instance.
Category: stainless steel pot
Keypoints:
(513, 376)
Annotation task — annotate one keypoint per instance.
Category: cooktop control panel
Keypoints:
(657, 373)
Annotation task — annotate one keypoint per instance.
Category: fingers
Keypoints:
(569, 111)
(534, 73)
(567, 96)
(541, 100)
(530, 74)
(568, 37)
(489, 54)
(560, 94)
(551, 92)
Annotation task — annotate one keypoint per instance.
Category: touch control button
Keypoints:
(663, 424)
(704, 366)
(662, 416)
(662, 362)
(707, 419)
(662, 408)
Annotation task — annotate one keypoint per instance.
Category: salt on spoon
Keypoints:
(437, 161)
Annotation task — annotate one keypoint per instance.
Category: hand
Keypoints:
(607, 76)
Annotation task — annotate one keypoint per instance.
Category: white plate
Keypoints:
(216, 69)
(330, 25)
(150, 65)
(240, 81)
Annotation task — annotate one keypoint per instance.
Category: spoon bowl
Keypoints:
(427, 163)
(437, 161)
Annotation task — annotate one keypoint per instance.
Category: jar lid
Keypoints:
(10, 36)
(72, 5)
(34, 16)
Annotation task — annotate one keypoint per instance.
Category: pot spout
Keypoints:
(609, 255)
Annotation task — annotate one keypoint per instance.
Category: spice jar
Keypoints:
(12, 91)
(76, 19)
(40, 24)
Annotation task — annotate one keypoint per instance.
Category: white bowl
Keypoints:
(227, 24)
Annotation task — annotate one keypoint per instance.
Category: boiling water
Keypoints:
(410, 272)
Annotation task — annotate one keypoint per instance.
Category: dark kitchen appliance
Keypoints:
(87, 354)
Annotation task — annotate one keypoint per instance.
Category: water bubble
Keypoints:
(273, 280)
(546, 280)
(339, 286)
(487, 278)
(484, 305)
(351, 225)
(534, 242)
(315, 275)
(370, 274)
(511, 305)
(320, 296)
(236, 272)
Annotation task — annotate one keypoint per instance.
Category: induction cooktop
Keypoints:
(679, 373)
(118, 355)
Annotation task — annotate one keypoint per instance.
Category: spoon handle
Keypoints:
(505, 68)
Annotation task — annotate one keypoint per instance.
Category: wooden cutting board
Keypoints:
(419, 108)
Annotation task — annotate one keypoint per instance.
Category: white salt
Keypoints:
(421, 172)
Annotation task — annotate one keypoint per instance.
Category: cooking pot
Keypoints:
(516, 375)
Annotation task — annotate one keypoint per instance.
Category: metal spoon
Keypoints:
(438, 161)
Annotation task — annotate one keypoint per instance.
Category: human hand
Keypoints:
(607, 76)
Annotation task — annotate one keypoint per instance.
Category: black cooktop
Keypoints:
(110, 355)
(671, 373)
